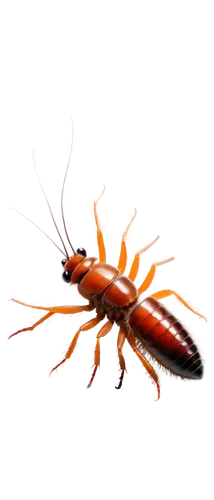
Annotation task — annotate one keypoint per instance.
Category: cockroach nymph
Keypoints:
(146, 324)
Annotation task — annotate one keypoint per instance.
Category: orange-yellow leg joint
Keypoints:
(121, 358)
(72, 345)
(166, 293)
(103, 331)
(123, 247)
(149, 278)
(99, 237)
(135, 264)
(67, 308)
(33, 327)
(146, 365)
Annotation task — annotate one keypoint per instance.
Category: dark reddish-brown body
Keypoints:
(165, 339)
(159, 332)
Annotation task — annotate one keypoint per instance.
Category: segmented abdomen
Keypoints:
(166, 339)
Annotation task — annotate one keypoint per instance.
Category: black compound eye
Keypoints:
(82, 251)
(66, 276)
(63, 262)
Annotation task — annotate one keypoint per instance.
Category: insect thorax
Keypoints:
(113, 313)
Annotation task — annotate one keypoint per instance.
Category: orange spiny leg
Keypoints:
(123, 251)
(87, 326)
(59, 309)
(33, 327)
(150, 276)
(100, 241)
(166, 293)
(135, 264)
(104, 331)
(131, 340)
(120, 343)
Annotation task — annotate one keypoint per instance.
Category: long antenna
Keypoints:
(33, 223)
(64, 246)
(49, 207)
(67, 169)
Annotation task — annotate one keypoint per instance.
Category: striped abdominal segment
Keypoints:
(166, 339)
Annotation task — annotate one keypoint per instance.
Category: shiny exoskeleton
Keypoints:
(115, 300)
(116, 297)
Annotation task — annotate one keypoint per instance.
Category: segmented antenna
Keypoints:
(34, 224)
(64, 245)
(50, 207)
(61, 202)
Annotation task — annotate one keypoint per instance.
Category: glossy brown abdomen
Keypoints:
(166, 339)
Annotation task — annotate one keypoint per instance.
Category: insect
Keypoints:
(146, 325)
